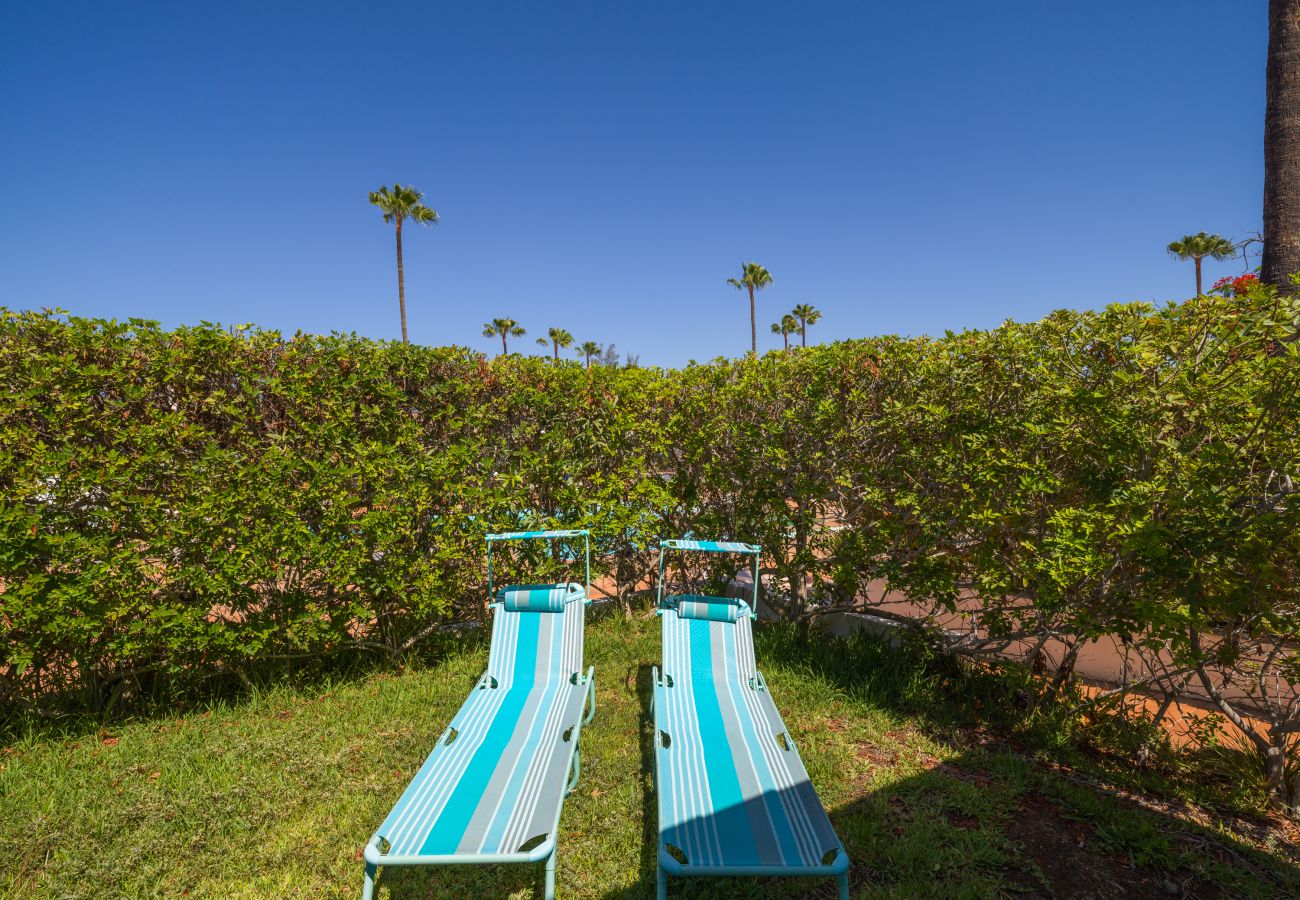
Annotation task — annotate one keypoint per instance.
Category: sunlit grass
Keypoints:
(275, 795)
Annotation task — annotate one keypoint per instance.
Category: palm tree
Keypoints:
(556, 338)
(807, 314)
(753, 277)
(398, 205)
(505, 328)
(589, 349)
(1198, 246)
(1282, 146)
(786, 327)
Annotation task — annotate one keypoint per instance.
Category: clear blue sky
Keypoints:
(605, 166)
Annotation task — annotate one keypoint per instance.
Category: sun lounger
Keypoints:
(492, 789)
(734, 797)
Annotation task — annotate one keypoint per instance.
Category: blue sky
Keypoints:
(604, 167)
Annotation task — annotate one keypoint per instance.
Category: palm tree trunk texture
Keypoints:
(803, 333)
(1282, 146)
(401, 283)
(504, 350)
(1197, 260)
(753, 324)
(556, 346)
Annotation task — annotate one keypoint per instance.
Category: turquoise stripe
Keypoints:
(468, 793)
(728, 803)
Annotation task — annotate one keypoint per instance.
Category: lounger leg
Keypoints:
(550, 876)
(368, 888)
(575, 770)
(591, 699)
(844, 885)
(661, 888)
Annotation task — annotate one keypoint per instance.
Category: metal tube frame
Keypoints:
(583, 533)
(750, 549)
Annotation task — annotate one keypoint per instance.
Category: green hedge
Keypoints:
(201, 500)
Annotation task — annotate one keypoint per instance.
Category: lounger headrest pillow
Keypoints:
(715, 609)
(538, 597)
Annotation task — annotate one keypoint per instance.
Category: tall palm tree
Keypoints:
(505, 328)
(786, 327)
(1197, 247)
(589, 349)
(1282, 146)
(556, 338)
(807, 314)
(753, 277)
(398, 205)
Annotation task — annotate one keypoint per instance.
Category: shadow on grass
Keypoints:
(155, 697)
(642, 676)
(976, 823)
(994, 818)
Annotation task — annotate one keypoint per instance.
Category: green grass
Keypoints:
(275, 795)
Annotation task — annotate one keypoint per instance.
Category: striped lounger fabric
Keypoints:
(734, 797)
(493, 786)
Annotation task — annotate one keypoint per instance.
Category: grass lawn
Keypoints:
(275, 795)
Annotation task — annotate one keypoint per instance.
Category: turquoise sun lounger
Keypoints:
(734, 797)
(492, 789)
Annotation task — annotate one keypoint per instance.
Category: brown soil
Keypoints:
(1070, 864)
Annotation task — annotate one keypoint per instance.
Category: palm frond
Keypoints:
(402, 202)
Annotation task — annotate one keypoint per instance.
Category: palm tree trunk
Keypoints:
(401, 283)
(753, 324)
(1282, 146)
(803, 333)
(1197, 260)
(785, 338)
(556, 346)
(504, 351)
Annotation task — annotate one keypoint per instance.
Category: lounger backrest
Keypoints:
(701, 640)
(536, 635)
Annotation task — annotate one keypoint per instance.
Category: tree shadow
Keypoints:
(154, 699)
(1056, 832)
(976, 822)
(643, 674)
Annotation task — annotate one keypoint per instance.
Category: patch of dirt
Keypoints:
(957, 820)
(972, 776)
(875, 755)
(898, 811)
(1074, 870)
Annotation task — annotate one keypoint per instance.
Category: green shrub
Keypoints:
(202, 501)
